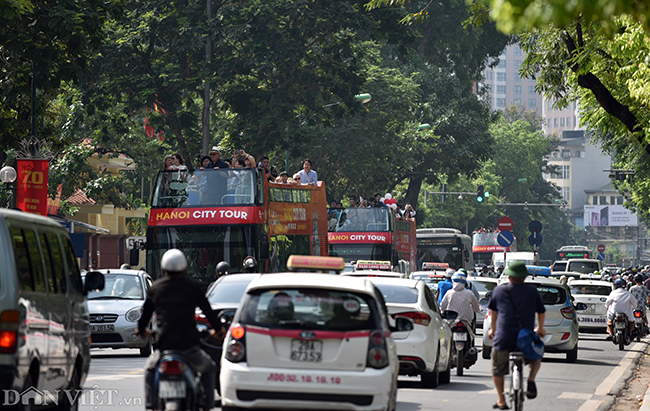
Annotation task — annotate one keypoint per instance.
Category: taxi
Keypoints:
(373, 269)
(303, 341)
(594, 295)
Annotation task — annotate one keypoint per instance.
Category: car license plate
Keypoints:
(306, 351)
(460, 337)
(103, 328)
(171, 389)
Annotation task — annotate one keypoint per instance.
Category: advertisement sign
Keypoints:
(373, 265)
(359, 238)
(206, 216)
(608, 215)
(489, 249)
(31, 195)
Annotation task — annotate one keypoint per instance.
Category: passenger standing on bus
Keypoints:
(215, 158)
(353, 202)
(307, 175)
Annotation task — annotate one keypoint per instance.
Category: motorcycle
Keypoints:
(640, 328)
(622, 335)
(464, 354)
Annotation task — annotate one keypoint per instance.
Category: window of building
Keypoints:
(501, 89)
(531, 89)
(532, 102)
(578, 153)
(501, 102)
(517, 51)
(603, 200)
(566, 193)
(501, 76)
(619, 200)
(517, 64)
(561, 173)
(568, 121)
(549, 105)
(516, 102)
(562, 122)
(517, 77)
(612, 200)
(502, 63)
(517, 89)
(555, 122)
(595, 200)
(548, 122)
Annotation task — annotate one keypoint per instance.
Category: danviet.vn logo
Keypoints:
(93, 397)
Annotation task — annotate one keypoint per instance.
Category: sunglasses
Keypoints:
(297, 178)
(213, 154)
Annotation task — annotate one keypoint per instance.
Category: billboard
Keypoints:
(608, 215)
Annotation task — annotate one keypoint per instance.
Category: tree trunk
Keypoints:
(174, 126)
(413, 191)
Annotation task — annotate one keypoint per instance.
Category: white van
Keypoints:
(583, 265)
(44, 321)
(528, 257)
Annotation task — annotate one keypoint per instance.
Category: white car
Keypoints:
(483, 285)
(425, 350)
(594, 295)
(304, 341)
(115, 310)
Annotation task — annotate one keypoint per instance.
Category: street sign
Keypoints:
(535, 240)
(505, 224)
(601, 248)
(601, 256)
(535, 226)
(505, 238)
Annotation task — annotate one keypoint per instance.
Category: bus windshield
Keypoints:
(450, 254)
(376, 219)
(204, 248)
(210, 187)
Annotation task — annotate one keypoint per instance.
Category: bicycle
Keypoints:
(517, 380)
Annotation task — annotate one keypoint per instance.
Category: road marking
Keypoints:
(575, 396)
(132, 374)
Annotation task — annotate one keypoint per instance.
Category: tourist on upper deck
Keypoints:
(283, 178)
(264, 165)
(249, 161)
(179, 163)
(205, 162)
(353, 202)
(240, 163)
(297, 179)
(378, 202)
(215, 158)
(169, 161)
(307, 175)
(409, 212)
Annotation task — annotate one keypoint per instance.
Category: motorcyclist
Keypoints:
(223, 268)
(444, 286)
(461, 300)
(250, 264)
(620, 301)
(641, 293)
(174, 298)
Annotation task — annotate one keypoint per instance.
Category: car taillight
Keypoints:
(377, 353)
(8, 331)
(200, 318)
(236, 349)
(172, 367)
(568, 313)
(418, 317)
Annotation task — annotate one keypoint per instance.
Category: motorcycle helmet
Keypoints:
(638, 278)
(222, 268)
(462, 270)
(250, 264)
(173, 261)
(449, 272)
(619, 283)
(459, 277)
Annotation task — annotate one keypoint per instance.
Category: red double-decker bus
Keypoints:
(228, 214)
(372, 234)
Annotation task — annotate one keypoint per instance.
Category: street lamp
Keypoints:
(8, 175)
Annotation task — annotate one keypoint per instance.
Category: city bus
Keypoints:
(485, 244)
(372, 234)
(572, 251)
(445, 245)
(218, 215)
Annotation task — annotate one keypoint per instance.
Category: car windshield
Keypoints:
(484, 286)
(584, 267)
(398, 294)
(552, 295)
(228, 292)
(119, 286)
(559, 266)
(590, 289)
(317, 309)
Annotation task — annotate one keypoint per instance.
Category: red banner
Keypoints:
(31, 195)
(359, 238)
(206, 216)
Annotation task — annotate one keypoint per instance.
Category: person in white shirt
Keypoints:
(620, 301)
(307, 175)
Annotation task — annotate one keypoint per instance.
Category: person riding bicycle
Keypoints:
(461, 300)
(620, 301)
(250, 264)
(174, 298)
(507, 301)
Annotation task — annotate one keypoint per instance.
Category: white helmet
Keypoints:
(449, 272)
(174, 261)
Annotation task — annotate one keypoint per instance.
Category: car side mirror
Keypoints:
(225, 318)
(403, 324)
(484, 301)
(581, 306)
(488, 295)
(94, 282)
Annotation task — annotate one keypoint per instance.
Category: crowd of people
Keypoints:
(336, 208)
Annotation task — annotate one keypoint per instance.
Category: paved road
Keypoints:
(116, 380)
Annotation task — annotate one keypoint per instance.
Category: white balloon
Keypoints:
(393, 206)
(388, 196)
(382, 199)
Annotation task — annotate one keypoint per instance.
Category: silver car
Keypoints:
(115, 311)
(561, 322)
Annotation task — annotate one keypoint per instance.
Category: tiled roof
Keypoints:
(80, 198)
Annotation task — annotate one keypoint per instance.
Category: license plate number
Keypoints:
(103, 328)
(306, 351)
(460, 337)
(171, 389)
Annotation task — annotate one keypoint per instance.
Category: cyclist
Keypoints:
(174, 298)
(250, 264)
(508, 300)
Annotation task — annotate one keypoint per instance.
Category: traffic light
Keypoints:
(480, 194)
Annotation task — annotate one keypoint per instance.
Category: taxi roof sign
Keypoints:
(373, 265)
(315, 263)
(433, 266)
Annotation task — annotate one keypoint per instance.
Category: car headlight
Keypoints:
(133, 314)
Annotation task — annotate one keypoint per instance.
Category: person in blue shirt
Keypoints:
(307, 175)
(444, 286)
